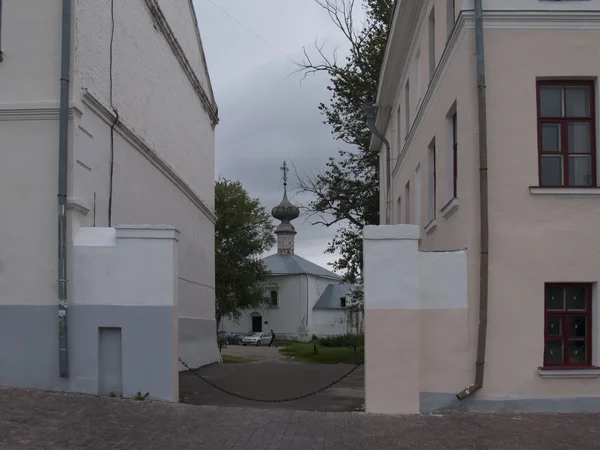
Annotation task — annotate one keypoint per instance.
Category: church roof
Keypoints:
(291, 264)
(331, 296)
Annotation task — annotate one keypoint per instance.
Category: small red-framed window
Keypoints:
(568, 325)
(566, 133)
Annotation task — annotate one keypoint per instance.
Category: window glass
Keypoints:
(578, 101)
(551, 101)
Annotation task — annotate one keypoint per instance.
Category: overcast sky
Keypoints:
(266, 114)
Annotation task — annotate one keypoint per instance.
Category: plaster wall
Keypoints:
(287, 318)
(534, 5)
(149, 85)
(161, 112)
(454, 223)
(30, 72)
(425, 295)
(143, 194)
(328, 322)
(534, 238)
(294, 317)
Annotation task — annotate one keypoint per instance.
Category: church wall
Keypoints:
(327, 322)
(288, 319)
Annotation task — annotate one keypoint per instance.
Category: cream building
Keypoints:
(110, 102)
(490, 112)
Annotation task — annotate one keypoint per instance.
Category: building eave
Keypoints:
(396, 51)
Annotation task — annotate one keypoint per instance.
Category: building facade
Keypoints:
(526, 92)
(305, 299)
(139, 150)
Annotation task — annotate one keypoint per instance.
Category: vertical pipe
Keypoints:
(483, 204)
(63, 147)
(1, 31)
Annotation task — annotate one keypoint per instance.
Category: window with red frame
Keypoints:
(566, 133)
(568, 325)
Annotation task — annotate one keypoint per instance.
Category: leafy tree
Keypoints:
(243, 232)
(347, 191)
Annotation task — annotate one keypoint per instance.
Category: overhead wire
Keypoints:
(250, 30)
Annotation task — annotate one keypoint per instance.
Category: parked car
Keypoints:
(232, 338)
(257, 339)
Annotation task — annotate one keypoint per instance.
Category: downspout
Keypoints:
(483, 205)
(307, 296)
(371, 113)
(63, 147)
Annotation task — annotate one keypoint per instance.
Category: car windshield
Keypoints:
(256, 334)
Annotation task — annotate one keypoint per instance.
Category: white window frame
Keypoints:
(432, 38)
(407, 218)
(432, 181)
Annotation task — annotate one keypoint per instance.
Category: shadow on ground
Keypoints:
(271, 380)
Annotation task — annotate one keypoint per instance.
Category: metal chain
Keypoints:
(269, 401)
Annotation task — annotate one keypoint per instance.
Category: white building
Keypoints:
(306, 299)
(125, 86)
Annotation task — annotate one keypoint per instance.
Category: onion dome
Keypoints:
(285, 211)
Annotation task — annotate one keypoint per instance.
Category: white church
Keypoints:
(305, 299)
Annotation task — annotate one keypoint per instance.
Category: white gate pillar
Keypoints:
(392, 319)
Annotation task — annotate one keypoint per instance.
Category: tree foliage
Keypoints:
(346, 192)
(243, 232)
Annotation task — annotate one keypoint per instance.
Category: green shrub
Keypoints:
(343, 340)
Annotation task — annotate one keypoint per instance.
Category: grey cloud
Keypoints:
(268, 116)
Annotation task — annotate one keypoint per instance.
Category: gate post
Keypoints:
(392, 319)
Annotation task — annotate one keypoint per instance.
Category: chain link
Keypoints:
(299, 397)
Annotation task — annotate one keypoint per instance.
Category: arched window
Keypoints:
(274, 298)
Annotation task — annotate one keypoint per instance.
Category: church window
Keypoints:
(274, 298)
(343, 302)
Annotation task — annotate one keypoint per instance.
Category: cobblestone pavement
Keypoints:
(41, 420)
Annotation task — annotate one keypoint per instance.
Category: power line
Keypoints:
(249, 30)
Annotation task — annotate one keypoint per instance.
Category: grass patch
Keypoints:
(304, 351)
(232, 359)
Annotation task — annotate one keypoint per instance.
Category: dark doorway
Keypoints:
(256, 324)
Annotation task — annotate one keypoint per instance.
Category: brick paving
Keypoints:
(42, 420)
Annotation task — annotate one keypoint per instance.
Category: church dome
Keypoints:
(285, 211)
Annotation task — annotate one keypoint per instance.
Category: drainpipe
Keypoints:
(371, 113)
(307, 296)
(63, 146)
(483, 205)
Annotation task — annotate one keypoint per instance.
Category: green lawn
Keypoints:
(232, 359)
(304, 351)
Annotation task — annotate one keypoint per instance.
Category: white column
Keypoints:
(392, 319)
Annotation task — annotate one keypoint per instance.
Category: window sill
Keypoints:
(567, 372)
(431, 226)
(565, 191)
(450, 208)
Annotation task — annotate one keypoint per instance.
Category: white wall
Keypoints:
(286, 319)
(329, 322)
(31, 32)
(152, 93)
(293, 317)
(157, 104)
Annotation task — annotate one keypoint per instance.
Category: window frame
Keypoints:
(407, 215)
(564, 136)
(432, 182)
(564, 315)
(274, 304)
(432, 44)
(454, 156)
